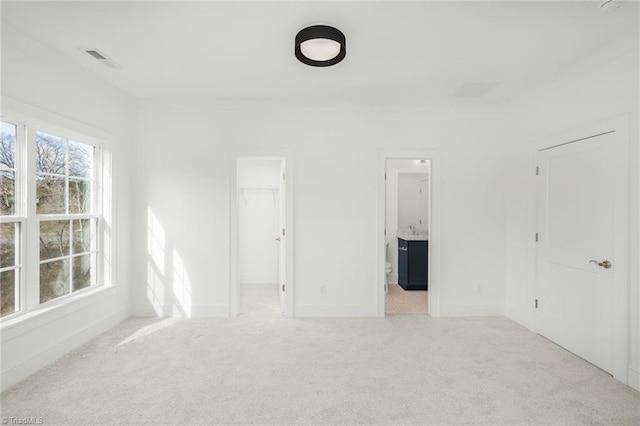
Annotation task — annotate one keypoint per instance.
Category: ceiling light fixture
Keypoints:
(320, 46)
(609, 5)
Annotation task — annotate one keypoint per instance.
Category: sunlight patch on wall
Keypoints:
(155, 289)
(181, 285)
(108, 244)
(155, 241)
(155, 262)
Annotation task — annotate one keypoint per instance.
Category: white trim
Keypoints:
(634, 379)
(336, 311)
(621, 126)
(103, 199)
(67, 217)
(176, 310)
(20, 112)
(472, 310)
(263, 154)
(53, 311)
(434, 225)
(250, 279)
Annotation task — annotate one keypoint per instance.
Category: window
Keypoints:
(65, 184)
(50, 242)
(10, 221)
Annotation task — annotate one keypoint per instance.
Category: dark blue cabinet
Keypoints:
(413, 264)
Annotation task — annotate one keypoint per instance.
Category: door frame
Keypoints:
(234, 224)
(619, 125)
(434, 224)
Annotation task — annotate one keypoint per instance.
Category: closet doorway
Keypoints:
(259, 236)
(260, 251)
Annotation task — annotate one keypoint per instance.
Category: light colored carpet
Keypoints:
(401, 301)
(393, 370)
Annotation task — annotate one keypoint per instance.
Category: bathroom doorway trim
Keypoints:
(234, 230)
(434, 224)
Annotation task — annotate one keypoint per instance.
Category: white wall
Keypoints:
(179, 198)
(335, 193)
(258, 211)
(393, 168)
(587, 97)
(39, 82)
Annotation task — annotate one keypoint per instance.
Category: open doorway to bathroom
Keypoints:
(260, 215)
(407, 222)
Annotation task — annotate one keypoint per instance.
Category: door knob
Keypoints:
(277, 238)
(604, 264)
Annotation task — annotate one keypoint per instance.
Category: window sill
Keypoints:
(51, 311)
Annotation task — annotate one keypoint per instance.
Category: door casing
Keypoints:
(234, 285)
(619, 125)
(434, 225)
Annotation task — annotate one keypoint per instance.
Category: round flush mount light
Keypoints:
(609, 5)
(320, 46)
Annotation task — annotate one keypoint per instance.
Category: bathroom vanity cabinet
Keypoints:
(412, 263)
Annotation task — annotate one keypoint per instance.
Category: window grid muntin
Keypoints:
(91, 215)
(67, 176)
(17, 267)
(17, 218)
(94, 244)
(26, 209)
(16, 162)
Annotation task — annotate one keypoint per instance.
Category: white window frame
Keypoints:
(19, 216)
(102, 207)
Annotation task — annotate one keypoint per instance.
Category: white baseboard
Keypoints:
(335, 311)
(258, 278)
(634, 378)
(197, 311)
(144, 311)
(518, 316)
(46, 356)
(472, 310)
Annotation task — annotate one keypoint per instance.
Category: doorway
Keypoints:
(409, 202)
(260, 248)
(259, 236)
(407, 236)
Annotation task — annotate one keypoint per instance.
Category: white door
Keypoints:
(576, 239)
(282, 237)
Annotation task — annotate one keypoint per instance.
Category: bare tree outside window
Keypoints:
(8, 261)
(7, 169)
(63, 213)
(9, 230)
(64, 186)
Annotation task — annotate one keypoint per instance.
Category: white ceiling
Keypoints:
(437, 53)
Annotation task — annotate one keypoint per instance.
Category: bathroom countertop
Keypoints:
(414, 237)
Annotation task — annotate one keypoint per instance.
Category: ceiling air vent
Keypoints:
(99, 56)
